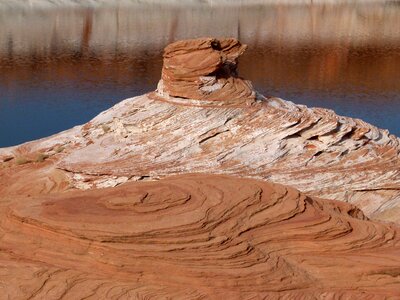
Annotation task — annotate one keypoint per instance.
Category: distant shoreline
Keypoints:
(44, 4)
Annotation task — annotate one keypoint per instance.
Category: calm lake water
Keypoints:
(61, 67)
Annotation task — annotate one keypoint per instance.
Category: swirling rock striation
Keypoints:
(147, 138)
(156, 135)
(194, 237)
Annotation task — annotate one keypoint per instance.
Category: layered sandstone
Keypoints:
(194, 237)
(205, 69)
(76, 224)
(146, 137)
(159, 134)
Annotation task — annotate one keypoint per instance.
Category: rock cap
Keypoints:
(205, 69)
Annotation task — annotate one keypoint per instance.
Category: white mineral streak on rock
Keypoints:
(312, 149)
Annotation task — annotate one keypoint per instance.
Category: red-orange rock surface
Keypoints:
(205, 69)
(202, 236)
(150, 137)
(192, 237)
(156, 135)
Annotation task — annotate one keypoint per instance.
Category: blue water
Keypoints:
(37, 110)
(34, 112)
(50, 101)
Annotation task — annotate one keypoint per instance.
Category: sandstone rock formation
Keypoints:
(153, 136)
(149, 137)
(205, 69)
(193, 237)
(201, 235)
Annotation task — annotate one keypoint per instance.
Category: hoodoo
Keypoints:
(205, 69)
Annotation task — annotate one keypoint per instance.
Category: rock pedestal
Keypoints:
(205, 69)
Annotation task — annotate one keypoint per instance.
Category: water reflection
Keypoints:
(60, 67)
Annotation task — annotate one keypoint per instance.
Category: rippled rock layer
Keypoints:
(190, 237)
(203, 118)
(194, 236)
(150, 137)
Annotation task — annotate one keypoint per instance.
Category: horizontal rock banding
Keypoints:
(199, 236)
(205, 69)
